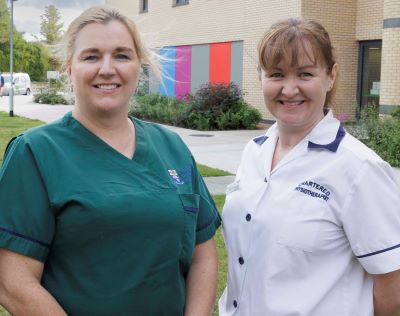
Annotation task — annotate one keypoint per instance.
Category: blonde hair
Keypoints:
(102, 14)
(285, 39)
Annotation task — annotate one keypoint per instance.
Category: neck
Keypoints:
(117, 131)
(102, 124)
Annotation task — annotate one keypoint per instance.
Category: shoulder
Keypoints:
(359, 151)
(360, 159)
(158, 133)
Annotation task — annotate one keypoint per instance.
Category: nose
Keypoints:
(107, 66)
(290, 87)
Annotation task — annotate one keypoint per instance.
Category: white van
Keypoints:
(22, 83)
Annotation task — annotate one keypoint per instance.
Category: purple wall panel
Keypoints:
(183, 71)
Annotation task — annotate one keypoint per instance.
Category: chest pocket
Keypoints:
(190, 205)
(302, 222)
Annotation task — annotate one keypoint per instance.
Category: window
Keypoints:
(369, 73)
(144, 6)
(179, 2)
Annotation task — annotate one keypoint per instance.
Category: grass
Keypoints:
(206, 171)
(10, 127)
(222, 255)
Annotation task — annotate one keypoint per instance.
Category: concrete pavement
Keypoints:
(218, 149)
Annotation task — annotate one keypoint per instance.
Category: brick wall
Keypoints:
(209, 21)
(338, 17)
(369, 20)
(390, 74)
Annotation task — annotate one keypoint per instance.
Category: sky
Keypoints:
(27, 13)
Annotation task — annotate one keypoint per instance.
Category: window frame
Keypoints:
(143, 6)
(178, 3)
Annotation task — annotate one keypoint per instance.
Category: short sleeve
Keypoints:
(208, 219)
(372, 218)
(26, 220)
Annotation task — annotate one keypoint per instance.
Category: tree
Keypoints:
(51, 27)
(4, 22)
(32, 58)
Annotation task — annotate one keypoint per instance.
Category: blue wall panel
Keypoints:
(168, 59)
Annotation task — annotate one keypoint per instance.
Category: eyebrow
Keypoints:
(96, 50)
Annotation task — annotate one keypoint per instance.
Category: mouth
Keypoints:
(108, 87)
(291, 103)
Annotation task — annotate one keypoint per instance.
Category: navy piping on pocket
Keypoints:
(209, 223)
(191, 209)
(378, 252)
(25, 237)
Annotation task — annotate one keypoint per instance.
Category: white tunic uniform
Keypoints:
(301, 237)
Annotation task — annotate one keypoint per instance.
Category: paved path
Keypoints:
(218, 149)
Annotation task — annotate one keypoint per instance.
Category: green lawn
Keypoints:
(10, 127)
(212, 172)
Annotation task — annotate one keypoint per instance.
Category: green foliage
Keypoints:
(383, 133)
(158, 108)
(49, 97)
(31, 58)
(396, 113)
(51, 27)
(220, 107)
(213, 107)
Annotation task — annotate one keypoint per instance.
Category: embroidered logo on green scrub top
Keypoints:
(175, 177)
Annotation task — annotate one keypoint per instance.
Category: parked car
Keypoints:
(22, 83)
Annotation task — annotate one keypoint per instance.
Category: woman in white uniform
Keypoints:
(312, 221)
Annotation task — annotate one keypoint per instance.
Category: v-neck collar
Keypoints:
(141, 148)
(326, 135)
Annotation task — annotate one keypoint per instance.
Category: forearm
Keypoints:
(202, 283)
(387, 311)
(387, 294)
(32, 300)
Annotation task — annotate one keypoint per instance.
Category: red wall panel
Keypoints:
(220, 62)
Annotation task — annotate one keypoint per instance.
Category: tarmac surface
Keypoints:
(217, 149)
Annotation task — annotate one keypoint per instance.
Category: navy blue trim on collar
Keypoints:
(378, 252)
(260, 139)
(331, 146)
(25, 237)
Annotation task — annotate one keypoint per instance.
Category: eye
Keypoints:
(306, 75)
(90, 58)
(275, 75)
(122, 56)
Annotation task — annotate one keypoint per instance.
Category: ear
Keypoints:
(333, 75)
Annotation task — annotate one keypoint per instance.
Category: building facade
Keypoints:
(216, 41)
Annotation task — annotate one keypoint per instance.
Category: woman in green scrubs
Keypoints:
(101, 213)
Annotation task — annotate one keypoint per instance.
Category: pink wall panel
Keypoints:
(183, 71)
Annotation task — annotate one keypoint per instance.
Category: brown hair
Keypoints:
(285, 39)
(101, 14)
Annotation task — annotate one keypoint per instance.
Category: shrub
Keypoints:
(158, 108)
(382, 134)
(396, 114)
(212, 107)
(220, 106)
(49, 98)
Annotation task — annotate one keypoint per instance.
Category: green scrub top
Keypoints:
(116, 235)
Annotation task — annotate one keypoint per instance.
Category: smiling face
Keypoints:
(104, 69)
(295, 93)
